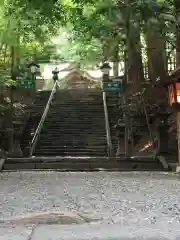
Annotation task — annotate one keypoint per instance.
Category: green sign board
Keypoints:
(26, 83)
(112, 85)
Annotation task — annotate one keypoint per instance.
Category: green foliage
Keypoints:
(2, 109)
(93, 29)
(107, 22)
(83, 52)
(10, 83)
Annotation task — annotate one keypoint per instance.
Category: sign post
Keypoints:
(115, 86)
(26, 83)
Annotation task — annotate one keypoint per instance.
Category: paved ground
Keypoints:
(95, 203)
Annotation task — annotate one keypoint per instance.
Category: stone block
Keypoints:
(19, 166)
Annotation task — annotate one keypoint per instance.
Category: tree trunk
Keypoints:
(155, 52)
(115, 69)
(12, 59)
(134, 61)
(1, 52)
(5, 55)
(105, 51)
(116, 60)
(17, 51)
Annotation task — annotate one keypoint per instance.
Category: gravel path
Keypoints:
(125, 198)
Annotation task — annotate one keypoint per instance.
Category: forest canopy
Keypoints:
(90, 32)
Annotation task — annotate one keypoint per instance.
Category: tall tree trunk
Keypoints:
(13, 62)
(5, 54)
(116, 60)
(135, 65)
(105, 50)
(17, 50)
(155, 52)
(177, 14)
(1, 50)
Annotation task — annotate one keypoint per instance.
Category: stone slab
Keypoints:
(105, 232)
(15, 233)
(78, 166)
(19, 166)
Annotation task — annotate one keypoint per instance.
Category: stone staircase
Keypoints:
(75, 125)
(73, 137)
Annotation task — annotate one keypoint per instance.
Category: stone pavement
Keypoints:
(60, 206)
(88, 231)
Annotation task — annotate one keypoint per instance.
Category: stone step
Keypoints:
(74, 122)
(133, 159)
(78, 91)
(89, 166)
(79, 126)
(84, 112)
(76, 151)
(78, 103)
(71, 147)
(78, 121)
(68, 142)
(75, 116)
(69, 153)
(82, 98)
(75, 113)
(66, 153)
(74, 119)
(73, 135)
(89, 112)
(70, 138)
(74, 129)
(85, 128)
(61, 159)
(76, 126)
(68, 120)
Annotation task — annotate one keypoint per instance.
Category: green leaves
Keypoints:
(10, 83)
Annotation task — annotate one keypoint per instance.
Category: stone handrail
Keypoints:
(108, 132)
(40, 125)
